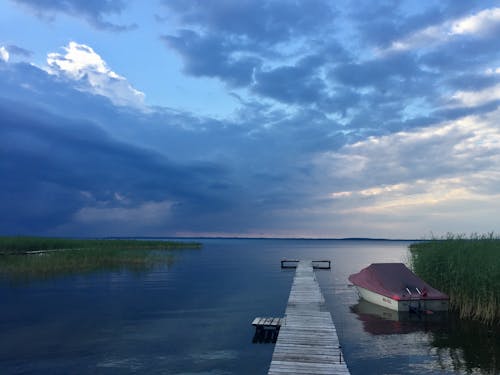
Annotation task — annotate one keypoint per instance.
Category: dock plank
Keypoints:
(307, 342)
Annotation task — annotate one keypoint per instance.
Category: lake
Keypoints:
(193, 316)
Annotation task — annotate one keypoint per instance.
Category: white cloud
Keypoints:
(442, 178)
(476, 98)
(82, 64)
(417, 193)
(341, 194)
(381, 190)
(4, 54)
(479, 24)
(438, 165)
(421, 37)
(491, 71)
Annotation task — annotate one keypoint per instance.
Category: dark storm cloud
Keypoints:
(377, 22)
(464, 54)
(232, 43)
(472, 82)
(379, 72)
(265, 22)
(219, 175)
(54, 164)
(211, 57)
(25, 82)
(51, 164)
(94, 11)
(336, 84)
(455, 113)
(298, 84)
(230, 40)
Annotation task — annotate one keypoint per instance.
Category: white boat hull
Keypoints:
(403, 305)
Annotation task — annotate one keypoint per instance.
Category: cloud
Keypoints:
(212, 56)
(476, 98)
(231, 41)
(263, 22)
(155, 217)
(381, 72)
(300, 83)
(65, 171)
(4, 54)
(68, 171)
(381, 23)
(409, 182)
(483, 23)
(93, 11)
(18, 51)
(457, 155)
(83, 65)
(472, 81)
(328, 133)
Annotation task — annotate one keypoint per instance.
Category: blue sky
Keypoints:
(249, 118)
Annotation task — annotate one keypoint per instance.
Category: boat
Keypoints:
(394, 286)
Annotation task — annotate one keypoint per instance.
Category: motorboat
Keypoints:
(394, 286)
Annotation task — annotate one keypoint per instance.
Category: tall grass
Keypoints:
(58, 256)
(466, 268)
(26, 244)
(54, 264)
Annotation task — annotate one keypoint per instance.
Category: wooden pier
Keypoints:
(307, 341)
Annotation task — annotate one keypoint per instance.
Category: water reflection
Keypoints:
(195, 316)
(471, 345)
(265, 336)
(378, 320)
(458, 346)
(44, 266)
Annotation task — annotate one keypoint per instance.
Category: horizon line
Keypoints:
(273, 238)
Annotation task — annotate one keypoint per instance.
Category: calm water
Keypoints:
(193, 317)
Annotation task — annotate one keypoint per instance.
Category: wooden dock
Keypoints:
(307, 341)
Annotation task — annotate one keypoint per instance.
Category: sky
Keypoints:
(254, 118)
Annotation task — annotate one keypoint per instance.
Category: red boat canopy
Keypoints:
(392, 280)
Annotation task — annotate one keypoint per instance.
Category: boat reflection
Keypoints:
(378, 320)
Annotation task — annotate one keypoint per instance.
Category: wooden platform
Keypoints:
(316, 264)
(307, 342)
(267, 322)
(266, 330)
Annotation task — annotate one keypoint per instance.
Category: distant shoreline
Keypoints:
(27, 245)
(267, 238)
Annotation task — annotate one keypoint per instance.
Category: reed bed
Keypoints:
(30, 258)
(10, 245)
(466, 268)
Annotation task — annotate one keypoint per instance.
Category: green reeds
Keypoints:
(467, 269)
(30, 258)
(10, 245)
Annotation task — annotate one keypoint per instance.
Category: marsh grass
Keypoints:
(9, 245)
(466, 268)
(65, 256)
